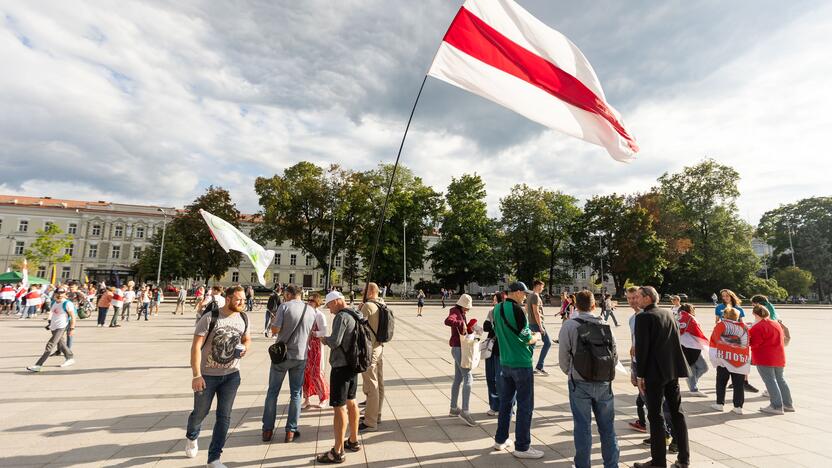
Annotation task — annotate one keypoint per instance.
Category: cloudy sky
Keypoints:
(153, 101)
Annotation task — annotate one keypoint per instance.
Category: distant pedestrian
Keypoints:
(659, 365)
(420, 303)
(129, 298)
(516, 339)
(609, 309)
(61, 323)
(534, 313)
(768, 353)
(105, 298)
(763, 301)
(675, 303)
(117, 302)
(145, 303)
(443, 293)
(219, 342)
(275, 299)
(249, 298)
(588, 356)
(181, 298)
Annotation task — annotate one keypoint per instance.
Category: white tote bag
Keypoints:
(470, 351)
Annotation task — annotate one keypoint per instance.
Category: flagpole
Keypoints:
(389, 188)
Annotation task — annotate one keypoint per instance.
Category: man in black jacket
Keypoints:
(659, 364)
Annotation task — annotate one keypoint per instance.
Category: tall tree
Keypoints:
(620, 237)
(467, 249)
(810, 222)
(561, 212)
(174, 259)
(796, 281)
(524, 221)
(700, 203)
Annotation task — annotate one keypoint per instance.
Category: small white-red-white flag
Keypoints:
(498, 50)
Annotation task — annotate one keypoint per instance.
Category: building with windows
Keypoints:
(107, 237)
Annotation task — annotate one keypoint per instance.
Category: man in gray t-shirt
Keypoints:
(292, 324)
(218, 356)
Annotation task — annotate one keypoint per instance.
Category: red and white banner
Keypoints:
(690, 333)
(498, 50)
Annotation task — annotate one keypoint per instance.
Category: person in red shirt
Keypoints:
(768, 353)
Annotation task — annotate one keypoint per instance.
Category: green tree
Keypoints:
(524, 219)
(767, 287)
(620, 236)
(796, 281)
(699, 202)
(561, 212)
(810, 222)
(174, 262)
(412, 203)
(49, 248)
(467, 249)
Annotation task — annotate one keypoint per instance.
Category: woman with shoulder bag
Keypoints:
(459, 328)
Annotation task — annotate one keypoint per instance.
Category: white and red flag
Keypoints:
(498, 50)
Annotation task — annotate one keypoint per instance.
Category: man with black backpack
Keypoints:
(380, 319)
(351, 345)
(588, 356)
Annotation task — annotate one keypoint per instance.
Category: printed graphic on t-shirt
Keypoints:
(224, 341)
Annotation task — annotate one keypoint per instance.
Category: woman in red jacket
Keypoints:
(768, 353)
(460, 327)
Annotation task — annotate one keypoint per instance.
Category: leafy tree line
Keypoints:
(684, 234)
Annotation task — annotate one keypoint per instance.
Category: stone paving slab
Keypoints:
(125, 404)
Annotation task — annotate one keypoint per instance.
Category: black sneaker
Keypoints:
(750, 388)
(363, 403)
(673, 447)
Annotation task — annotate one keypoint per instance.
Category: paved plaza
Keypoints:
(126, 401)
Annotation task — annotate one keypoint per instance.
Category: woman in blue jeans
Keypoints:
(768, 353)
(459, 328)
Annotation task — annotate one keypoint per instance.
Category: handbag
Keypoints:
(279, 350)
(470, 344)
(487, 348)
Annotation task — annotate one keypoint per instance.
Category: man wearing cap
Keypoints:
(373, 377)
(343, 382)
(516, 345)
(61, 314)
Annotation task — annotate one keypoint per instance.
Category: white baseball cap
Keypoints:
(333, 295)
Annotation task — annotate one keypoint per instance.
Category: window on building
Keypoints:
(308, 260)
(69, 249)
(47, 225)
(337, 261)
(276, 277)
(277, 259)
(41, 272)
(118, 231)
(19, 246)
(65, 273)
(140, 232)
(137, 252)
(72, 228)
(583, 274)
(116, 253)
(253, 277)
(293, 259)
(96, 229)
(291, 278)
(93, 252)
(23, 226)
(235, 276)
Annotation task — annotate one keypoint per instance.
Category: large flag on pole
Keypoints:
(498, 50)
(230, 238)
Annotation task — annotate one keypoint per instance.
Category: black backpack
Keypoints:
(360, 354)
(595, 356)
(386, 323)
(212, 324)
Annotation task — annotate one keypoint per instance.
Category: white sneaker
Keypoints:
(492, 413)
(68, 363)
(771, 410)
(717, 407)
(191, 448)
(34, 368)
(215, 464)
(737, 410)
(788, 409)
(530, 453)
(503, 446)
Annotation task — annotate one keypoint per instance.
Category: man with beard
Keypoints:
(221, 338)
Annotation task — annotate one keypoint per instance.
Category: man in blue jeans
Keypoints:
(292, 325)
(516, 345)
(590, 393)
(534, 310)
(219, 343)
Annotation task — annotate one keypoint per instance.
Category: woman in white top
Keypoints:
(314, 382)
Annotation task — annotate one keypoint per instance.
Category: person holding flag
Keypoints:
(694, 345)
(730, 353)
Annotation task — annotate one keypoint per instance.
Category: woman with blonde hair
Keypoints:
(314, 382)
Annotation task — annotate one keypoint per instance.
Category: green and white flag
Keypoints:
(230, 238)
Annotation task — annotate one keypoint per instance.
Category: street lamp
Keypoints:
(161, 248)
(791, 247)
(601, 260)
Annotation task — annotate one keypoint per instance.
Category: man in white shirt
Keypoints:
(61, 314)
(180, 301)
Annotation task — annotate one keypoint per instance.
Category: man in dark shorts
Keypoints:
(343, 382)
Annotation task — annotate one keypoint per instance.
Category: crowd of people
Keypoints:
(666, 345)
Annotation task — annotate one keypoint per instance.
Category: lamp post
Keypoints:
(601, 260)
(161, 248)
(404, 258)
